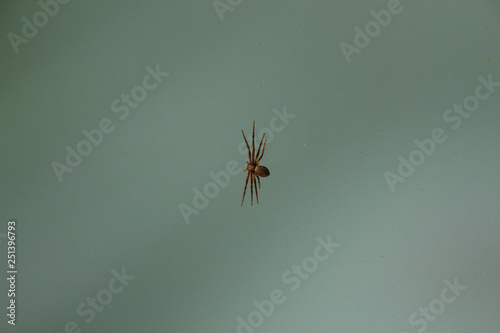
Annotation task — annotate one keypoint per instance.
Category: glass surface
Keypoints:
(122, 166)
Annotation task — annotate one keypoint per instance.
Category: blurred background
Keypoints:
(121, 161)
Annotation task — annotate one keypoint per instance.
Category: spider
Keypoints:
(253, 168)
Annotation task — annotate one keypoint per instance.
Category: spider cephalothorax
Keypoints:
(253, 168)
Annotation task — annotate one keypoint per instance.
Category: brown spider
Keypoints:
(254, 169)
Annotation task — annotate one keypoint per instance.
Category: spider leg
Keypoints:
(248, 147)
(244, 191)
(251, 188)
(258, 178)
(256, 192)
(258, 151)
(262, 155)
(253, 142)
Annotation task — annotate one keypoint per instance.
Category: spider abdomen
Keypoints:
(262, 171)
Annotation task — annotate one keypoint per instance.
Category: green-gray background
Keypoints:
(120, 208)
